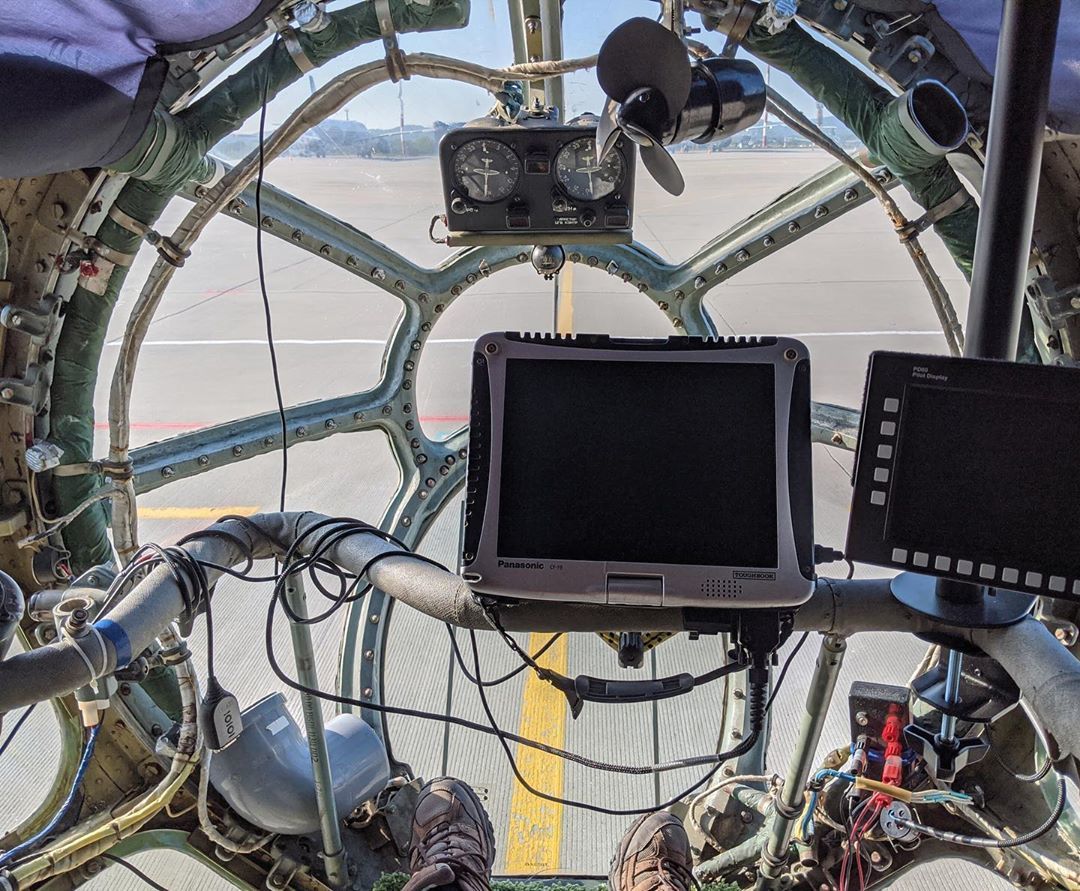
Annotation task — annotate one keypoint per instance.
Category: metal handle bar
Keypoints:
(1047, 673)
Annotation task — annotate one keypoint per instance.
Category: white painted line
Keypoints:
(348, 341)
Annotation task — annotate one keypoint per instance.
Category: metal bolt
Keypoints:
(875, 856)
(415, 345)
(820, 211)
(369, 655)
(125, 689)
(592, 261)
(378, 274)
(470, 278)
(736, 734)
(16, 319)
(679, 295)
(643, 287)
(358, 416)
(746, 816)
(367, 693)
(268, 441)
(415, 443)
(663, 306)
(838, 439)
(407, 407)
(791, 355)
(409, 365)
(238, 450)
(1060, 634)
(575, 257)
(914, 57)
(351, 260)
(851, 194)
(532, 24)
(430, 482)
(330, 424)
(301, 430)
(374, 618)
(268, 222)
(444, 470)
(462, 453)
(743, 255)
(409, 425)
(387, 409)
(7, 393)
(439, 307)
(793, 227)
(862, 719)
(421, 458)
(677, 323)
(422, 297)
(422, 494)
(700, 282)
(168, 471)
(491, 348)
(769, 241)
(740, 694)
(626, 276)
(400, 285)
(522, 257)
(406, 521)
(451, 460)
(297, 234)
(406, 385)
(325, 250)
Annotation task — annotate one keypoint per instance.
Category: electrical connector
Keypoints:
(219, 716)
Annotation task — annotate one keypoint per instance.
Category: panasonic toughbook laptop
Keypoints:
(648, 472)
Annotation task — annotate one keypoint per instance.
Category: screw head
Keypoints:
(378, 274)
(862, 719)
(700, 282)
(238, 450)
(168, 471)
(301, 431)
(793, 227)
(768, 241)
(7, 393)
(820, 211)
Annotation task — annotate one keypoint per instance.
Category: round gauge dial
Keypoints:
(582, 176)
(486, 170)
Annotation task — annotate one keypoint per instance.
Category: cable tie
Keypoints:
(171, 252)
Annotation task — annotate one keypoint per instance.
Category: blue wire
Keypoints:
(37, 839)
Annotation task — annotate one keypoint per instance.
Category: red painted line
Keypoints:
(189, 425)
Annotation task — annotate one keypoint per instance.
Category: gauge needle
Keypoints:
(590, 170)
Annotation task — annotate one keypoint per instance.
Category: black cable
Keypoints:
(18, 724)
(134, 870)
(784, 670)
(974, 841)
(745, 746)
(510, 674)
(268, 315)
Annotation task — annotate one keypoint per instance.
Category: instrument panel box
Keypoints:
(535, 183)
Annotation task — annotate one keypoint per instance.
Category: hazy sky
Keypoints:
(486, 40)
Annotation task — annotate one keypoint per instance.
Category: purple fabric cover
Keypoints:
(978, 22)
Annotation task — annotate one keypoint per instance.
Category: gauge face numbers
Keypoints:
(486, 170)
(582, 176)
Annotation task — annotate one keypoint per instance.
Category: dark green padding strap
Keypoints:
(876, 117)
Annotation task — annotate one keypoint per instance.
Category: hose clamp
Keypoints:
(296, 50)
(957, 201)
(395, 58)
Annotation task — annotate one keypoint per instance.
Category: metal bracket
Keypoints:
(902, 63)
(281, 873)
(395, 58)
(28, 392)
(1054, 307)
(35, 321)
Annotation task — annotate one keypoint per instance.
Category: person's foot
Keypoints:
(453, 844)
(654, 855)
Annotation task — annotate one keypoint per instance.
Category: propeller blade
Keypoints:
(607, 130)
(663, 168)
(643, 53)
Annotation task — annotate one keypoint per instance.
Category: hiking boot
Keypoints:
(654, 855)
(453, 844)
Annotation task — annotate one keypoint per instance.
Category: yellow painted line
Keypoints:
(532, 843)
(564, 314)
(196, 513)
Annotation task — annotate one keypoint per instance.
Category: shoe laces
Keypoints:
(459, 845)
